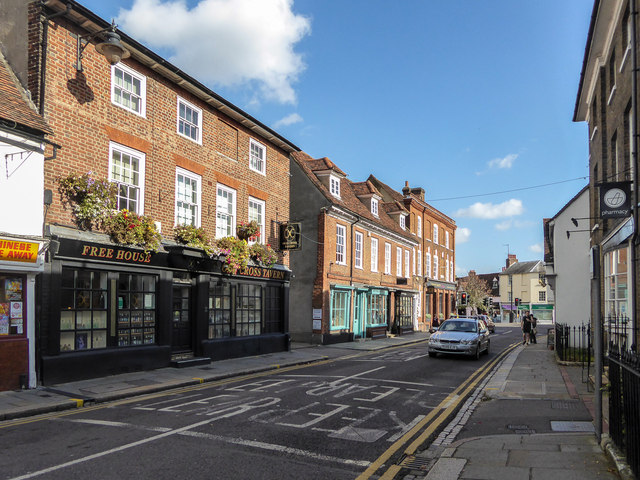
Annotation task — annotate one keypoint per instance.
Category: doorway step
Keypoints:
(186, 359)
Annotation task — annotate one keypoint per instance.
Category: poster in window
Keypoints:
(4, 323)
(81, 341)
(13, 289)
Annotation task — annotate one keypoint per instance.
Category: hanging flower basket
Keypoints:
(248, 230)
(128, 228)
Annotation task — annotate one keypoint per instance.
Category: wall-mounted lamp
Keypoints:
(110, 47)
(575, 220)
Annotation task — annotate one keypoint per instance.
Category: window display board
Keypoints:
(12, 310)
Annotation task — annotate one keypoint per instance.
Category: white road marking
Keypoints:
(239, 441)
(177, 431)
(376, 380)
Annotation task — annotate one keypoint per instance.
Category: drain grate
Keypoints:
(564, 404)
(415, 463)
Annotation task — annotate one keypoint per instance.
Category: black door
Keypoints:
(181, 338)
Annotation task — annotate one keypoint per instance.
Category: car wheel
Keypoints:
(432, 354)
(476, 355)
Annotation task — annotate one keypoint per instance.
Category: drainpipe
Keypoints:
(634, 156)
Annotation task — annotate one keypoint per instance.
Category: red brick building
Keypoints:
(361, 260)
(180, 154)
(435, 234)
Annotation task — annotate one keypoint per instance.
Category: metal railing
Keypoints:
(624, 387)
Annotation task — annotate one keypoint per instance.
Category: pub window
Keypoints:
(83, 315)
(248, 310)
(136, 309)
(219, 310)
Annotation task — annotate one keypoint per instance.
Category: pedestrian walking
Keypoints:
(534, 329)
(525, 325)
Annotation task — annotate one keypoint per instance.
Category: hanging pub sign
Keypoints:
(615, 199)
(290, 234)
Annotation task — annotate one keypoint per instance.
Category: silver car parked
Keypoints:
(460, 336)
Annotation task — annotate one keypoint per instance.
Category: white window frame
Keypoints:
(194, 177)
(374, 254)
(198, 126)
(256, 163)
(452, 277)
(407, 263)
(436, 268)
(446, 263)
(419, 262)
(387, 258)
(334, 186)
(420, 229)
(435, 233)
(403, 222)
(143, 88)
(446, 238)
(374, 206)
(542, 295)
(398, 262)
(251, 215)
(427, 263)
(140, 156)
(413, 260)
(359, 241)
(231, 230)
(341, 237)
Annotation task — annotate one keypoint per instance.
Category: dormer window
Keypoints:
(402, 222)
(334, 183)
(374, 206)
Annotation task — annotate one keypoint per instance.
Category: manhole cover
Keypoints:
(415, 463)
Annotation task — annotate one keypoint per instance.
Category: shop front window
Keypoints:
(83, 315)
(136, 309)
(377, 314)
(404, 310)
(12, 306)
(340, 303)
(219, 310)
(248, 310)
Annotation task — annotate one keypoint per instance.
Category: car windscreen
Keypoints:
(458, 326)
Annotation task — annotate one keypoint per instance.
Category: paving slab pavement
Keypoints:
(528, 421)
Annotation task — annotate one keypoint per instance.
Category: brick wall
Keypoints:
(79, 109)
(14, 360)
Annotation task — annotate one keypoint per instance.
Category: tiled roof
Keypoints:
(396, 196)
(348, 197)
(522, 267)
(325, 164)
(365, 188)
(15, 105)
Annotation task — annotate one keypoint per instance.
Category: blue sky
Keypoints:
(471, 100)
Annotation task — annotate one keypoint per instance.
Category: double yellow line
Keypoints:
(432, 422)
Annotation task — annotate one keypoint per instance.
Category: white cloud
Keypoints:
(506, 225)
(490, 211)
(462, 235)
(536, 248)
(288, 120)
(226, 42)
(505, 162)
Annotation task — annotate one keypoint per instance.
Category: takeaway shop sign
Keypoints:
(18, 251)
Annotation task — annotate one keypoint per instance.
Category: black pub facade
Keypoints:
(108, 309)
